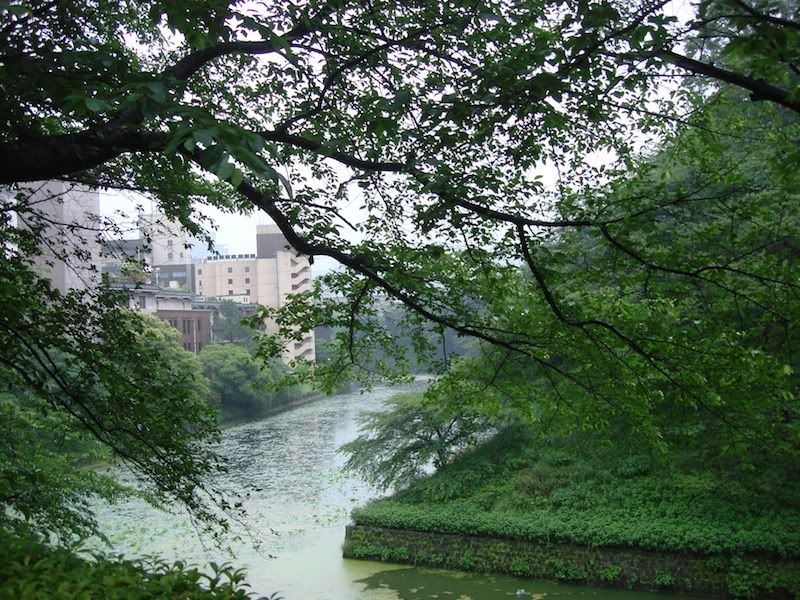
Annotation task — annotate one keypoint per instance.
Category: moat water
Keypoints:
(299, 504)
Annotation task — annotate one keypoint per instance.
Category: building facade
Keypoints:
(156, 270)
(267, 278)
(194, 326)
(71, 234)
(168, 251)
(167, 242)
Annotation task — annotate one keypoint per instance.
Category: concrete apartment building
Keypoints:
(267, 278)
(72, 212)
(167, 242)
(169, 251)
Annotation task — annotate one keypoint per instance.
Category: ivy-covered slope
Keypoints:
(523, 486)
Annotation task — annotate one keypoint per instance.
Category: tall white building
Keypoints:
(168, 251)
(70, 230)
(267, 278)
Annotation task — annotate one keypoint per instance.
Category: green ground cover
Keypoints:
(30, 570)
(521, 485)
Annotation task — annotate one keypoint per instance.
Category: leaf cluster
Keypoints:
(30, 569)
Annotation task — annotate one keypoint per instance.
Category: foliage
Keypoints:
(228, 325)
(684, 331)
(429, 348)
(625, 252)
(41, 481)
(242, 386)
(397, 444)
(78, 366)
(523, 485)
(134, 270)
(675, 319)
(30, 569)
(162, 340)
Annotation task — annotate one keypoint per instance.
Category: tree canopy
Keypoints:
(602, 192)
(228, 324)
(242, 386)
(398, 442)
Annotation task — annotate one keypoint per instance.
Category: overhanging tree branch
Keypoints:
(58, 156)
(759, 89)
(556, 308)
(765, 17)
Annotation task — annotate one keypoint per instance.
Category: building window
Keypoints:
(247, 292)
(247, 280)
(230, 269)
(230, 292)
(169, 243)
(200, 283)
(199, 271)
(169, 256)
(230, 281)
(247, 269)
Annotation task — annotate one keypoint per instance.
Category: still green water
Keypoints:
(298, 507)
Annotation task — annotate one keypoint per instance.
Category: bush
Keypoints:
(30, 570)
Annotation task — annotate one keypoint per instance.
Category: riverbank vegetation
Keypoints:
(526, 484)
(242, 387)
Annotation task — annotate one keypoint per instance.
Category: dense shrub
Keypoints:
(30, 570)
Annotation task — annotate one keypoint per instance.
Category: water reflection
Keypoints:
(298, 506)
(423, 584)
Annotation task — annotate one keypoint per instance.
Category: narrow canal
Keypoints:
(298, 507)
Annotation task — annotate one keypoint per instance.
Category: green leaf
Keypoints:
(276, 176)
(236, 178)
(225, 170)
(205, 136)
(97, 105)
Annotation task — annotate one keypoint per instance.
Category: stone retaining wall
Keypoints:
(744, 576)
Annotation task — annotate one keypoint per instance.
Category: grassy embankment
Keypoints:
(520, 486)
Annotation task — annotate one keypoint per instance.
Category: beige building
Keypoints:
(266, 278)
(167, 241)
